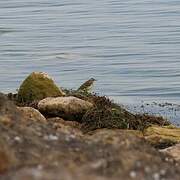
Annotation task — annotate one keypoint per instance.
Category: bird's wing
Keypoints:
(84, 85)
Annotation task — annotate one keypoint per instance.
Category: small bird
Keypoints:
(87, 86)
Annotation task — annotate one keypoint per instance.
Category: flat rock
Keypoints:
(70, 108)
(162, 136)
(173, 151)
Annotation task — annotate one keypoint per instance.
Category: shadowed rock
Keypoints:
(173, 151)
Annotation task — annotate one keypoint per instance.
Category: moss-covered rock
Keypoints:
(162, 137)
(38, 86)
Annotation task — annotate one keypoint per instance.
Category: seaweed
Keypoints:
(106, 114)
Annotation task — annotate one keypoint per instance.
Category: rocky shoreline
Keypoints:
(51, 133)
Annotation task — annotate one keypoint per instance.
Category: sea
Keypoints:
(131, 47)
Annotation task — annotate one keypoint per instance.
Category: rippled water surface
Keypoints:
(131, 47)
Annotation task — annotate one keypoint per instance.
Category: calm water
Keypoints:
(131, 47)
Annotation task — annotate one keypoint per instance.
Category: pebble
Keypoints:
(156, 176)
(138, 164)
(147, 169)
(17, 138)
(70, 137)
(51, 137)
(39, 167)
(133, 174)
(163, 172)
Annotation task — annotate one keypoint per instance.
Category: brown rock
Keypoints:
(112, 135)
(8, 111)
(41, 172)
(31, 114)
(71, 108)
(44, 152)
(103, 154)
(7, 159)
(173, 151)
(68, 127)
(162, 137)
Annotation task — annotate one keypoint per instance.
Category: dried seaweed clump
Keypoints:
(148, 120)
(106, 114)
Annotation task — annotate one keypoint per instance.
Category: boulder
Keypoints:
(173, 151)
(70, 108)
(42, 152)
(162, 137)
(31, 114)
(37, 86)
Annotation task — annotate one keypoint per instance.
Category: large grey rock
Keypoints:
(71, 108)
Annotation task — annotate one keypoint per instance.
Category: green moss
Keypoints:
(36, 87)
